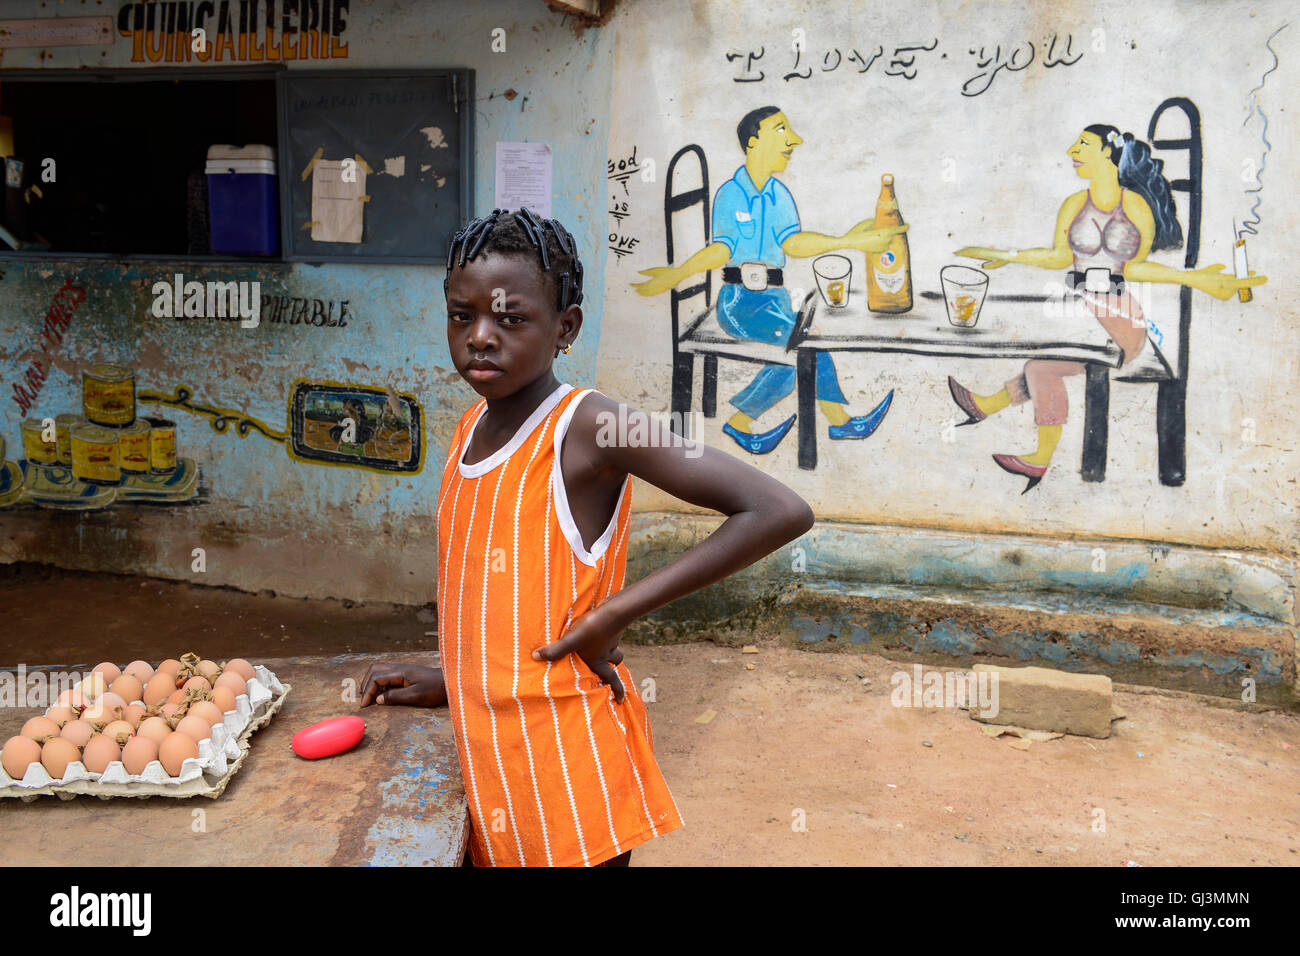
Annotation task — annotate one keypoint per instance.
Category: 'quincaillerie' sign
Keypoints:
(237, 31)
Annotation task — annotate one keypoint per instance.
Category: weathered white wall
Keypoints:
(987, 169)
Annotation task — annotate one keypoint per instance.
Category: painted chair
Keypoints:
(1164, 366)
(684, 362)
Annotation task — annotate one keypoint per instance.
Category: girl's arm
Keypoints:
(762, 514)
(1210, 279)
(1057, 257)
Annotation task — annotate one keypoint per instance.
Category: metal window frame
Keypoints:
(462, 84)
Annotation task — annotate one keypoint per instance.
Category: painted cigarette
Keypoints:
(1242, 269)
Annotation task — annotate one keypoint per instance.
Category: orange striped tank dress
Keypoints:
(556, 773)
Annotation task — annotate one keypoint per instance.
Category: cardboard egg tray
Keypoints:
(219, 758)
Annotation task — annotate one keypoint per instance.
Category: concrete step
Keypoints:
(1204, 620)
(1225, 653)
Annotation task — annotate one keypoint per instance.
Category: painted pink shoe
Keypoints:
(1018, 466)
(966, 402)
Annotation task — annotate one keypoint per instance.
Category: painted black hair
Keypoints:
(505, 232)
(1142, 173)
(749, 125)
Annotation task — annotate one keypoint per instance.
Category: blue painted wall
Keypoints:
(269, 521)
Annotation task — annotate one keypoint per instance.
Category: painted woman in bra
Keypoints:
(1104, 232)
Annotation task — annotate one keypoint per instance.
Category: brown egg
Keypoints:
(67, 698)
(110, 671)
(176, 697)
(78, 732)
(171, 666)
(134, 714)
(195, 727)
(138, 753)
(207, 710)
(92, 686)
(175, 750)
(40, 729)
(200, 682)
(57, 753)
(100, 752)
(208, 669)
(223, 698)
(19, 752)
(233, 681)
(60, 714)
(169, 710)
(119, 731)
(128, 688)
(155, 728)
(158, 689)
(106, 709)
(140, 670)
(237, 665)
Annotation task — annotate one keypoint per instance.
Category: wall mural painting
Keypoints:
(105, 454)
(756, 224)
(351, 425)
(109, 455)
(333, 423)
(1093, 325)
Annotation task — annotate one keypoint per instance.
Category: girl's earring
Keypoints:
(567, 348)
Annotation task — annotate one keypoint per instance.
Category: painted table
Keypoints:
(1009, 327)
(395, 799)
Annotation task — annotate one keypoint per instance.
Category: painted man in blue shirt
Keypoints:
(755, 226)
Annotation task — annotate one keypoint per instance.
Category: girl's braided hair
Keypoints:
(500, 231)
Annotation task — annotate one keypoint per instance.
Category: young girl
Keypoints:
(533, 515)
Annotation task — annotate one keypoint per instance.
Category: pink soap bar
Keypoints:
(329, 737)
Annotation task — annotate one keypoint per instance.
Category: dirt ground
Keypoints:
(804, 761)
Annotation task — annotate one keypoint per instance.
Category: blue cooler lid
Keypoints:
(255, 151)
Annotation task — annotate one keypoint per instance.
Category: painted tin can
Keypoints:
(95, 455)
(35, 447)
(133, 448)
(162, 446)
(63, 425)
(108, 395)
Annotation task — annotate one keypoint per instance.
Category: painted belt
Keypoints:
(755, 276)
(1096, 280)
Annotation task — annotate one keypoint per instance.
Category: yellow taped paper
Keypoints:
(336, 213)
(315, 158)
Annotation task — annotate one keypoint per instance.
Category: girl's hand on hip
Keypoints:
(594, 638)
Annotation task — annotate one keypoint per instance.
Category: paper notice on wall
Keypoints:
(338, 200)
(524, 177)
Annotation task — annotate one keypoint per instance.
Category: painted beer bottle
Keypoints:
(889, 273)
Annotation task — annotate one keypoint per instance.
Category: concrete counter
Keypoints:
(395, 799)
